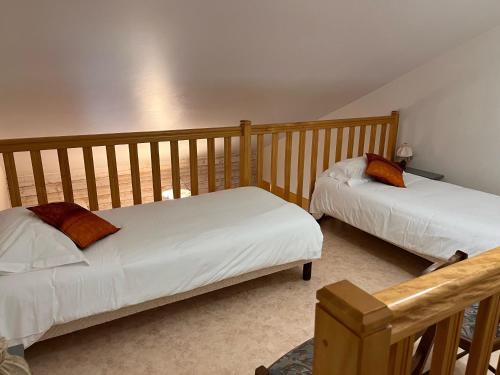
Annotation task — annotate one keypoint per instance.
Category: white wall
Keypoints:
(450, 112)
(115, 66)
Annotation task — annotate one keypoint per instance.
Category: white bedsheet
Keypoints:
(162, 249)
(430, 218)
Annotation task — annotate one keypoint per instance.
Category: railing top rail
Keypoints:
(321, 124)
(95, 140)
(430, 298)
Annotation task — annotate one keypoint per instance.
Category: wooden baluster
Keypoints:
(361, 143)
(211, 164)
(300, 167)
(381, 146)
(12, 179)
(135, 173)
(350, 144)
(64, 169)
(400, 358)
(245, 152)
(373, 136)
(114, 183)
(314, 161)
(352, 332)
(228, 163)
(326, 148)
(242, 157)
(156, 170)
(338, 147)
(176, 173)
(36, 163)
(274, 162)
(288, 163)
(484, 333)
(193, 165)
(444, 355)
(260, 160)
(88, 160)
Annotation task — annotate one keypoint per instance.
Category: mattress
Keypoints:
(163, 248)
(430, 218)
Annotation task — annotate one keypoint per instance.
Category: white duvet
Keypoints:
(431, 218)
(162, 249)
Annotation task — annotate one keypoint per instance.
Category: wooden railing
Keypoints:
(353, 137)
(87, 142)
(358, 333)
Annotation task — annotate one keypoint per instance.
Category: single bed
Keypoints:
(430, 218)
(163, 249)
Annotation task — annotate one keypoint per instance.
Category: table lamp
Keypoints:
(405, 152)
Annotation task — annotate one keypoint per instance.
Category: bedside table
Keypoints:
(426, 174)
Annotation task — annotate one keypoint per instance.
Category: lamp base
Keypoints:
(403, 163)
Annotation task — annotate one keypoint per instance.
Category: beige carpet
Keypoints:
(231, 331)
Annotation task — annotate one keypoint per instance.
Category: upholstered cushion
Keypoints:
(296, 362)
(469, 324)
(384, 170)
(79, 224)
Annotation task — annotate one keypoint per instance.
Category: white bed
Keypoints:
(163, 249)
(430, 218)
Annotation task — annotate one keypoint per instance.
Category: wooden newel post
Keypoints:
(352, 332)
(393, 135)
(245, 152)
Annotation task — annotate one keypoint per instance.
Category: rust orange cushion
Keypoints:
(78, 223)
(384, 170)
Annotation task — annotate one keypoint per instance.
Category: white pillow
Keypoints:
(27, 243)
(350, 171)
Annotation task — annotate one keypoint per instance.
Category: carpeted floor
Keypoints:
(231, 331)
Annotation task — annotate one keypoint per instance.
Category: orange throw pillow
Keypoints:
(384, 170)
(76, 222)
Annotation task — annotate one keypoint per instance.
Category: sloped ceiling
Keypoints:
(93, 66)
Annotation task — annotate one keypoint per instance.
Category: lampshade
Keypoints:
(404, 151)
(169, 194)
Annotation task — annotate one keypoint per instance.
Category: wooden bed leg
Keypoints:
(306, 271)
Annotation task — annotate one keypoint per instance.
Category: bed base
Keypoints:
(76, 325)
(427, 257)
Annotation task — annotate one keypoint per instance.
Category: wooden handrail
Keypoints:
(322, 124)
(428, 299)
(96, 140)
(357, 333)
